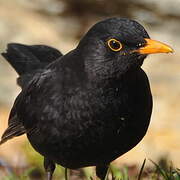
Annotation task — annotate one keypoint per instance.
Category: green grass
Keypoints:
(155, 173)
(162, 170)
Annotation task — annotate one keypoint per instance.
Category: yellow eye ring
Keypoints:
(114, 45)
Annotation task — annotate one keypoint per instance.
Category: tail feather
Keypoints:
(26, 60)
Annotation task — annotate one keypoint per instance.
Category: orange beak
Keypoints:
(153, 46)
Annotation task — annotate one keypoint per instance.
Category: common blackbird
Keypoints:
(89, 106)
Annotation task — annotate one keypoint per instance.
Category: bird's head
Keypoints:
(116, 45)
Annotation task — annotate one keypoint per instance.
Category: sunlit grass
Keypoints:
(163, 170)
(114, 174)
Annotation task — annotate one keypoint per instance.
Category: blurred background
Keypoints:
(61, 23)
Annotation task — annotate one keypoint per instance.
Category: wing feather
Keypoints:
(14, 129)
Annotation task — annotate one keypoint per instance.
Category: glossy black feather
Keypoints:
(27, 60)
(91, 105)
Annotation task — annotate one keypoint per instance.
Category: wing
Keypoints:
(29, 109)
(15, 127)
(15, 123)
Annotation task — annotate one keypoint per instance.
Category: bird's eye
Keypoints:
(114, 44)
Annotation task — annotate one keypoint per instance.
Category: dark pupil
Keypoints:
(115, 45)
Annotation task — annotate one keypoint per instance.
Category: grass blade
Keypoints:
(141, 170)
(66, 174)
(160, 170)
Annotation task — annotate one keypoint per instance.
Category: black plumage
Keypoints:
(88, 107)
(27, 60)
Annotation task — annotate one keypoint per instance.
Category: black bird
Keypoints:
(90, 106)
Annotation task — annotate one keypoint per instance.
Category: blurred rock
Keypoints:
(164, 7)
